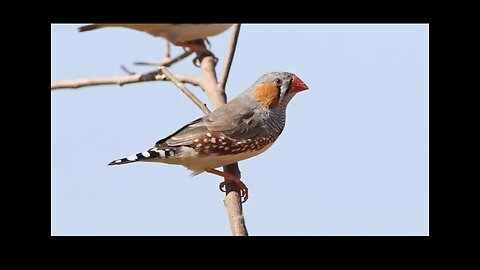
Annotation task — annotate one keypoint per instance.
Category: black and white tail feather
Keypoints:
(145, 156)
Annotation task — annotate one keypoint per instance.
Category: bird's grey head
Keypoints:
(275, 89)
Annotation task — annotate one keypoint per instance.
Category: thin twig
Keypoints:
(124, 68)
(167, 51)
(217, 97)
(216, 93)
(231, 52)
(233, 200)
(165, 63)
(187, 92)
(121, 80)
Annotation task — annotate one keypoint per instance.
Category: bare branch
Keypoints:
(188, 79)
(166, 63)
(230, 53)
(208, 82)
(217, 97)
(121, 80)
(233, 203)
(216, 93)
(187, 92)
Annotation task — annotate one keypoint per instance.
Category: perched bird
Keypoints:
(245, 127)
(185, 35)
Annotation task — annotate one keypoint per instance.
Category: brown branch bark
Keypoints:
(131, 78)
(233, 200)
(230, 54)
(120, 80)
(217, 96)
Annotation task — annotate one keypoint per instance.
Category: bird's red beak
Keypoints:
(297, 85)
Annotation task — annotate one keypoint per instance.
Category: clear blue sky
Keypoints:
(352, 160)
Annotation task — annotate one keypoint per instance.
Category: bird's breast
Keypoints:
(214, 149)
(202, 162)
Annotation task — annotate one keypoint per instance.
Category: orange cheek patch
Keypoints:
(267, 95)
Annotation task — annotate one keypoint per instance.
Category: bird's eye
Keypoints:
(278, 82)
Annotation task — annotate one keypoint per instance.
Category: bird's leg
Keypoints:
(232, 178)
(197, 46)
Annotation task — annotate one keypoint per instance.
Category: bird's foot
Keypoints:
(198, 46)
(240, 184)
(231, 178)
(200, 55)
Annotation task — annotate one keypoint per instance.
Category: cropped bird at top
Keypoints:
(244, 127)
(184, 35)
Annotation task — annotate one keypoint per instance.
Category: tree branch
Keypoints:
(121, 80)
(233, 200)
(132, 78)
(208, 82)
(217, 96)
(187, 92)
(230, 53)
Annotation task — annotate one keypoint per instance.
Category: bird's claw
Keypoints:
(221, 186)
(197, 59)
(244, 194)
(241, 185)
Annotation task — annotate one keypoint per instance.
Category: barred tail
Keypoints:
(145, 156)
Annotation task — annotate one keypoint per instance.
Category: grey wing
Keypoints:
(235, 120)
(185, 135)
(238, 122)
(242, 126)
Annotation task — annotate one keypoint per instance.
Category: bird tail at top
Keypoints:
(89, 27)
(145, 156)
